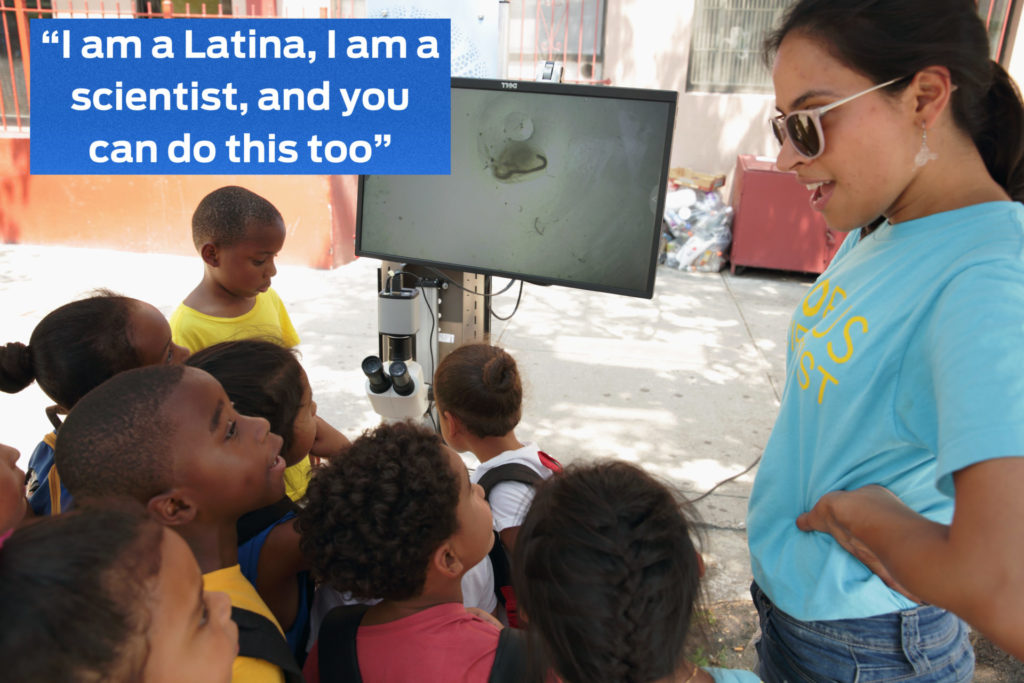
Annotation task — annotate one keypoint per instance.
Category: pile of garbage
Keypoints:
(696, 230)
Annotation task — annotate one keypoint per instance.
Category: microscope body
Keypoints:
(400, 392)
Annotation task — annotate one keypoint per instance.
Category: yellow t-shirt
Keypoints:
(231, 581)
(267, 320)
(296, 479)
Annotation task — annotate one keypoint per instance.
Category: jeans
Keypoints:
(924, 645)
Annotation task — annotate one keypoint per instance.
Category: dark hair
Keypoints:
(480, 385)
(884, 40)
(607, 574)
(224, 215)
(74, 591)
(377, 512)
(261, 378)
(117, 440)
(73, 349)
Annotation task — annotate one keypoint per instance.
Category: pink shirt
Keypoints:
(442, 644)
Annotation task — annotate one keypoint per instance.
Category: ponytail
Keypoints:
(1000, 138)
(16, 367)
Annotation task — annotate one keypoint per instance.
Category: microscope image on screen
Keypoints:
(562, 185)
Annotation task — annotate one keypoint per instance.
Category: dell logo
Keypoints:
(509, 86)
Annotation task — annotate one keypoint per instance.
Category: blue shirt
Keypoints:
(732, 675)
(905, 364)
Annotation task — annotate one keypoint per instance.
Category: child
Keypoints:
(238, 234)
(72, 350)
(265, 380)
(169, 438)
(607, 572)
(13, 504)
(108, 594)
(479, 399)
(397, 518)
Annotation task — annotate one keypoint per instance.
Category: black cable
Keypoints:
(430, 347)
(520, 296)
(453, 283)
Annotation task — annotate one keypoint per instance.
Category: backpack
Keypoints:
(339, 661)
(498, 556)
(259, 638)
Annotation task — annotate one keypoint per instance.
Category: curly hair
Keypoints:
(261, 378)
(74, 590)
(376, 513)
(117, 441)
(480, 385)
(223, 217)
(608, 574)
(73, 349)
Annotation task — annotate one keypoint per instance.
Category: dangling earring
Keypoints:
(924, 155)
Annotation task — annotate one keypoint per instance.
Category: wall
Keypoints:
(649, 48)
(153, 213)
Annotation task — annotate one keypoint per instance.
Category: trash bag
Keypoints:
(697, 229)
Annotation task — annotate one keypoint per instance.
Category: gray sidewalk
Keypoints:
(686, 384)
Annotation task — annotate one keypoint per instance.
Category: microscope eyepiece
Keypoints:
(400, 377)
(373, 368)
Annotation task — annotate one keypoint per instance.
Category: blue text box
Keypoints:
(241, 96)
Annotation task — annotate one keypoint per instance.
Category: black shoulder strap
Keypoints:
(252, 523)
(338, 660)
(512, 471)
(259, 638)
(510, 659)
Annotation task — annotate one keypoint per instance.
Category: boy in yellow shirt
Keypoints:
(238, 234)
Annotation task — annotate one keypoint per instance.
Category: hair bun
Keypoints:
(16, 368)
(499, 373)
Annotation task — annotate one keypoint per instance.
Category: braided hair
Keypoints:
(607, 574)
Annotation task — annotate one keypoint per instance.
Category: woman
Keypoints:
(905, 386)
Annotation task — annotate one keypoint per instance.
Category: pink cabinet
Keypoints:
(774, 225)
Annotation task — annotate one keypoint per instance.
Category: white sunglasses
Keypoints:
(803, 127)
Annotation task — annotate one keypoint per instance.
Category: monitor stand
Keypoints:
(461, 316)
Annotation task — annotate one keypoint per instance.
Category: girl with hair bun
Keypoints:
(479, 397)
(72, 350)
(888, 498)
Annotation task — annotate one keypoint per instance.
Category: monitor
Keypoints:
(550, 183)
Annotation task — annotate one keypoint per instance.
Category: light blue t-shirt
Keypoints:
(905, 364)
(732, 676)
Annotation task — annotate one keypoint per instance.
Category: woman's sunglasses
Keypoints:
(803, 127)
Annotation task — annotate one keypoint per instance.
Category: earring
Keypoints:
(924, 155)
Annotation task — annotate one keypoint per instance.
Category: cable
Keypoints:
(430, 346)
(509, 317)
(453, 283)
(771, 383)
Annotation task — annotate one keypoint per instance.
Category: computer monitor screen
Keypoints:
(550, 183)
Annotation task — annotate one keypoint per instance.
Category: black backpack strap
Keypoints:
(512, 471)
(259, 638)
(338, 660)
(252, 523)
(510, 661)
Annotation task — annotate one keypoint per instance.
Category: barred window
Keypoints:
(725, 52)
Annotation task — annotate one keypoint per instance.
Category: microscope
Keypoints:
(394, 380)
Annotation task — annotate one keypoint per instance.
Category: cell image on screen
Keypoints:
(556, 186)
